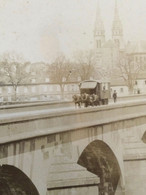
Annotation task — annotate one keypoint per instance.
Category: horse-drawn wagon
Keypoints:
(93, 93)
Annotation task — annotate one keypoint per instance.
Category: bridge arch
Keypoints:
(14, 181)
(99, 159)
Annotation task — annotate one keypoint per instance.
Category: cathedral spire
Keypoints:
(117, 29)
(99, 32)
(99, 27)
(116, 16)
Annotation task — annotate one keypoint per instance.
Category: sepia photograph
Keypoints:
(72, 97)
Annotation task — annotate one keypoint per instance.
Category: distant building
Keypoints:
(119, 86)
(137, 53)
(108, 52)
(140, 83)
(38, 91)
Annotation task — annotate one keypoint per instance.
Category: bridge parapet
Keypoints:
(29, 124)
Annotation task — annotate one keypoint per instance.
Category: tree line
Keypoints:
(15, 70)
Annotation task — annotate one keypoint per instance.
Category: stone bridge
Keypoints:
(74, 151)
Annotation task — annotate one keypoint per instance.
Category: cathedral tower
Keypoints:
(117, 29)
(99, 32)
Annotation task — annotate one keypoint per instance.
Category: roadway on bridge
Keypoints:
(6, 117)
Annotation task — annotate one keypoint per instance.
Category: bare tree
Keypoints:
(85, 64)
(13, 71)
(60, 71)
(128, 70)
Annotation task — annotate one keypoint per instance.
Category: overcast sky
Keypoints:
(38, 29)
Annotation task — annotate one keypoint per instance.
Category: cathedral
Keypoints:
(107, 51)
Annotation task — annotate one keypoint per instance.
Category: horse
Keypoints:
(85, 98)
(77, 100)
(89, 100)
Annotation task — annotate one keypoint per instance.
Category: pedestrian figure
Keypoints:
(115, 96)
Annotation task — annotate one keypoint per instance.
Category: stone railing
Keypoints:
(34, 123)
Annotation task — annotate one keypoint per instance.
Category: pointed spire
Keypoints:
(117, 25)
(98, 17)
(99, 27)
(116, 17)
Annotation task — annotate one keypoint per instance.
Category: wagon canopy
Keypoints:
(88, 85)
